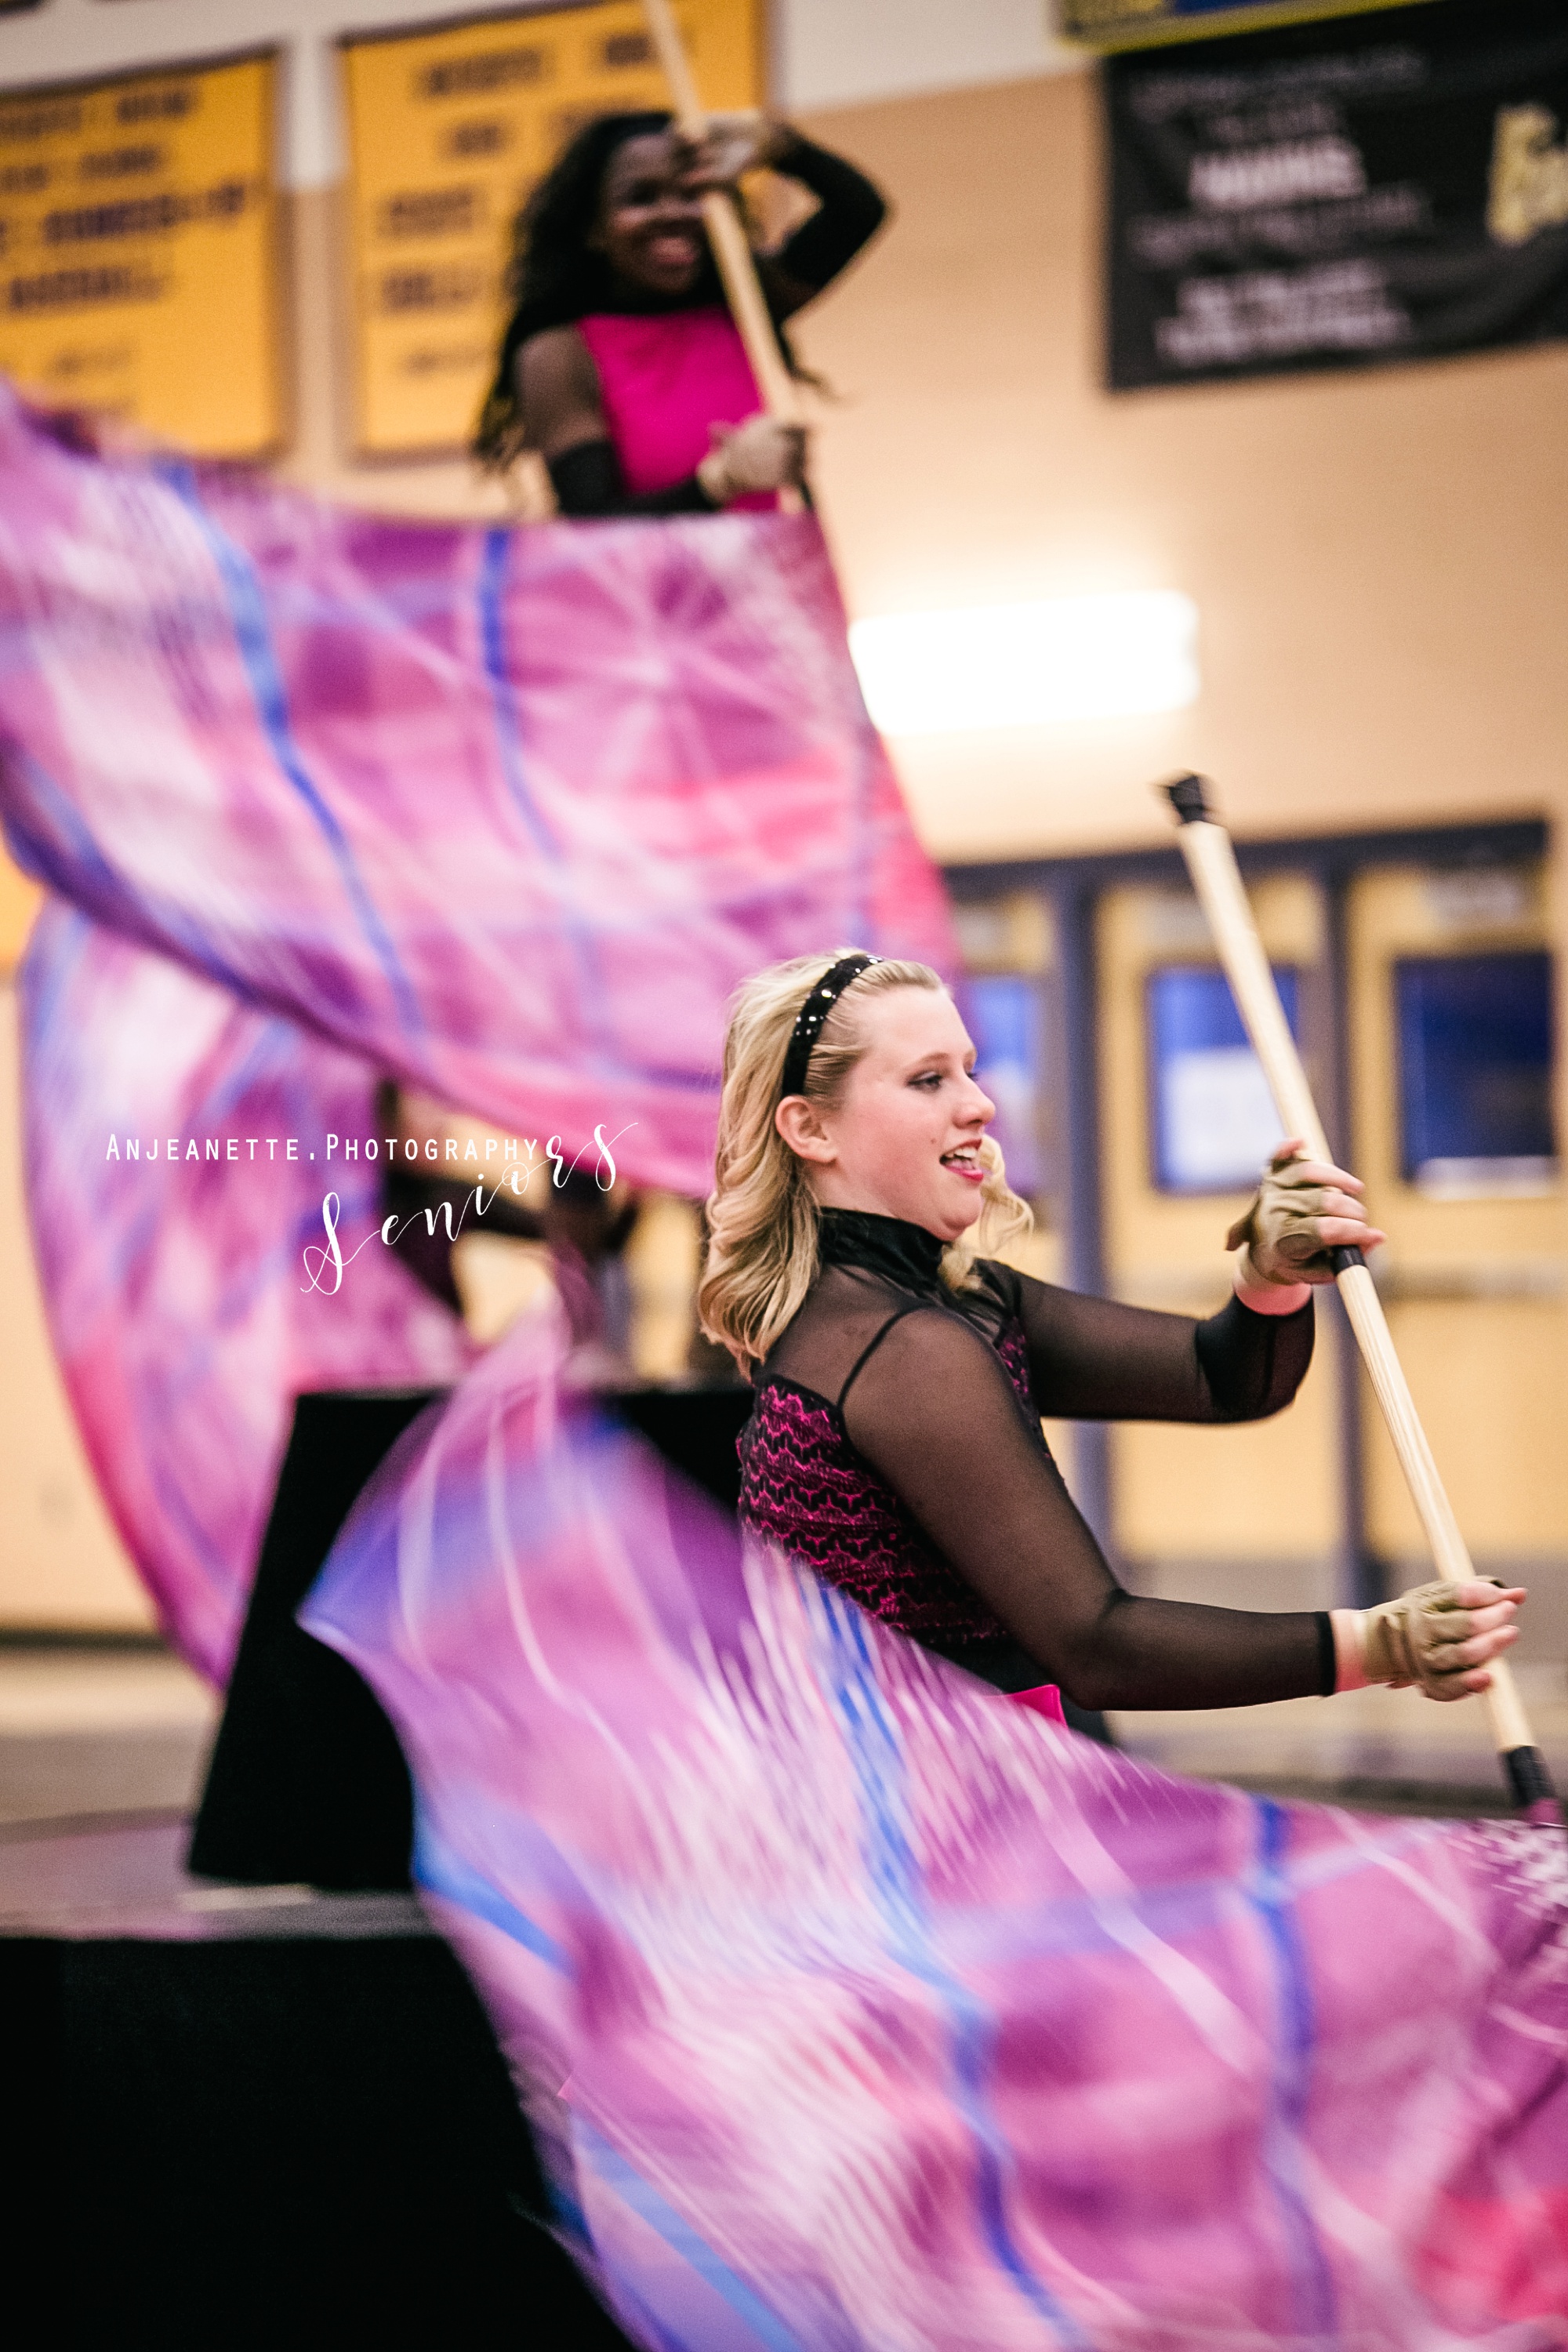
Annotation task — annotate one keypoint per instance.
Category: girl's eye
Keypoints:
(929, 1080)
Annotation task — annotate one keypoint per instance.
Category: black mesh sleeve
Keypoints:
(1094, 1360)
(850, 213)
(588, 483)
(932, 1411)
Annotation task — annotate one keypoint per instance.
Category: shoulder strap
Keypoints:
(915, 1306)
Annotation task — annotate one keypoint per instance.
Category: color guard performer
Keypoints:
(896, 1445)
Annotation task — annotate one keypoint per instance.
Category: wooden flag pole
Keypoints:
(1216, 878)
(726, 231)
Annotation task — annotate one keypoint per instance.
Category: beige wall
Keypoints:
(60, 1561)
(1380, 559)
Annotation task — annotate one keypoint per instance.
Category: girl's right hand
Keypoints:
(732, 144)
(762, 454)
(1441, 1636)
(1303, 1210)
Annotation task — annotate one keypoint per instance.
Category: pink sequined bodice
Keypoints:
(663, 380)
(803, 1485)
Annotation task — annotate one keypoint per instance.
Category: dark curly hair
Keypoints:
(555, 277)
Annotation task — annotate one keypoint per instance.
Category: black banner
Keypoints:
(1342, 195)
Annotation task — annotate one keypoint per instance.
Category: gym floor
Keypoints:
(111, 1738)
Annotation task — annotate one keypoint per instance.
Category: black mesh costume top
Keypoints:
(896, 1448)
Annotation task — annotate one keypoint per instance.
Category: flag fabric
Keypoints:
(503, 814)
(855, 2007)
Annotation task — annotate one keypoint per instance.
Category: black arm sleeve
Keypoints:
(850, 213)
(1094, 1360)
(934, 1411)
(588, 481)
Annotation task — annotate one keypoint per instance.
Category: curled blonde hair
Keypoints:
(762, 1251)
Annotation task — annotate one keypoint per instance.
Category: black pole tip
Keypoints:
(1187, 796)
(1530, 1783)
(1342, 1260)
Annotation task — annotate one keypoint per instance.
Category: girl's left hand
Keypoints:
(1303, 1208)
(732, 145)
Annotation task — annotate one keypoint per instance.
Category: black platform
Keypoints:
(307, 1780)
(253, 2113)
(261, 2118)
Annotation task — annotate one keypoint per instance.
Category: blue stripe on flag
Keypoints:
(42, 989)
(442, 1872)
(590, 992)
(1269, 1892)
(503, 694)
(874, 1747)
(63, 866)
(644, 2200)
(247, 615)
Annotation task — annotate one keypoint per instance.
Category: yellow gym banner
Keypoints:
(139, 252)
(448, 132)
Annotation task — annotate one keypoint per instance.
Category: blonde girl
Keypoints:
(901, 1370)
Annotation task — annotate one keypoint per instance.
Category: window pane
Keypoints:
(1475, 1069)
(1212, 1116)
(1002, 1015)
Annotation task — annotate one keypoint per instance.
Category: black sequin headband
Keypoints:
(807, 1028)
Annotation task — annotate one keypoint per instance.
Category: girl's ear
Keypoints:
(800, 1126)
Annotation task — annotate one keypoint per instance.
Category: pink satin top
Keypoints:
(663, 380)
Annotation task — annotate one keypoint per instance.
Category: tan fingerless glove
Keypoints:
(1278, 1220)
(762, 454)
(1415, 1639)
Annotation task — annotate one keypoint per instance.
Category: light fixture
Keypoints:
(1065, 657)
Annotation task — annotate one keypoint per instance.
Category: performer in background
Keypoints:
(584, 1220)
(622, 366)
(895, 1445)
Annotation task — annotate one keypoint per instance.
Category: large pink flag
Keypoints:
(503, 814)
(858, 2009)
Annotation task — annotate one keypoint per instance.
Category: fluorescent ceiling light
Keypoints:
(1027, 665)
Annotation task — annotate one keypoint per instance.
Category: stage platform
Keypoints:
(255, 2116)
(246, 2110)
(106, 1876)
(260, 2115)
(251, 2098)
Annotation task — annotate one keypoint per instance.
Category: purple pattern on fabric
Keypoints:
(803, 1485)
(1013, 1349)
(506, 815)
(858, 2009)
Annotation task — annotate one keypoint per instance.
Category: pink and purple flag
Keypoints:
(858, 2011)
(325, 799)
